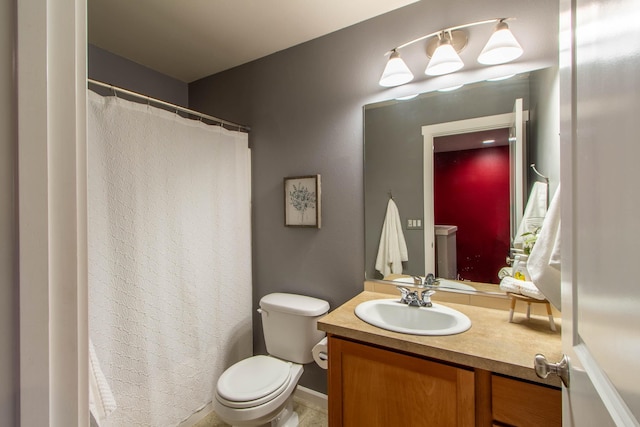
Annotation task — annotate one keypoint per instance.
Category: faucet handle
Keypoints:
(418, 281)
(404, 293)
(425, 296)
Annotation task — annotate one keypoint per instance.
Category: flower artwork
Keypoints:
(302, 201)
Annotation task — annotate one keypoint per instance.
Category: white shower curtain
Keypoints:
(169, 258)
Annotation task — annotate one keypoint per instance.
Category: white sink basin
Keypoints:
(394, 316)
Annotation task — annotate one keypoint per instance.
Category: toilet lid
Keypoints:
(253, 378)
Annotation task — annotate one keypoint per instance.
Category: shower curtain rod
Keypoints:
(174, 107)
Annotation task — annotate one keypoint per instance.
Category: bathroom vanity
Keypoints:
(482, 377)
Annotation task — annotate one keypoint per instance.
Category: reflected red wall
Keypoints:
(471, 190)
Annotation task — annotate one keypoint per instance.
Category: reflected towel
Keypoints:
(544, 260)
(393, 248)
(101, 400)
(536, 209)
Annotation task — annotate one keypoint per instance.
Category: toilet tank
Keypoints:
(289, 323)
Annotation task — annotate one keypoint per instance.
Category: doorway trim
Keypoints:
(52, 176)
(429, 133)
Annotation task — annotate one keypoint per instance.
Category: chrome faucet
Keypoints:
(411, 297)
(431, 280)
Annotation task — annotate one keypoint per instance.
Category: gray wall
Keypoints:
(394, 155)
(9, 360)
(545, 130)
(117, 71)
(304, 105)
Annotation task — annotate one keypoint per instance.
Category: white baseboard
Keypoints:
(314, 397)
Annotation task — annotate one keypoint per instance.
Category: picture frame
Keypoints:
(302, 201)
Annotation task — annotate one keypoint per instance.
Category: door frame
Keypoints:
(51, 122)
(429, 133)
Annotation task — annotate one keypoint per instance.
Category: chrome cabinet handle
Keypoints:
(544, 368)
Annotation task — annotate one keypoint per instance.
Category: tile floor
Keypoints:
(309, 414)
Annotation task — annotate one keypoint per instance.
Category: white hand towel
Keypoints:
(522, 287)
(544, 260)
(393, 248)
(536, 208)
(510, 284)
(101, 400)
(530, 290)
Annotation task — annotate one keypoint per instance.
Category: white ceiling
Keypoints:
(191, 39)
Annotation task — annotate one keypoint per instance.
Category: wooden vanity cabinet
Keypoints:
(371, 386)
(374, 386)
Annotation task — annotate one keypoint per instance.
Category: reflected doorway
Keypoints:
(471, 192)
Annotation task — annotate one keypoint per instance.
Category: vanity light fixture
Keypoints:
(396, 72)
(443, 48)
(502, 47)
(445, 58)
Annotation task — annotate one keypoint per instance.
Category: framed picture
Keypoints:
(302, 201)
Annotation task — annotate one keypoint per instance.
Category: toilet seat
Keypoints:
(253, 381)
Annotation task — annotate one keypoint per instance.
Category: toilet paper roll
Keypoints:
(321, 354)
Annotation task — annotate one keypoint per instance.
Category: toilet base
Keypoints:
(287, 417)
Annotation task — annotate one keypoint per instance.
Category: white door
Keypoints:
(600, 154)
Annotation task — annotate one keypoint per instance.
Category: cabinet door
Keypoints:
(522, 404)
(370, 386)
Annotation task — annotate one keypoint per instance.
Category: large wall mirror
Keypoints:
(459, 197)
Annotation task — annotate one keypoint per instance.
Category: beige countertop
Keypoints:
(492, 343)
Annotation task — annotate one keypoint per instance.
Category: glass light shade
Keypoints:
(396, 72)
(502, 47)
(445, 60)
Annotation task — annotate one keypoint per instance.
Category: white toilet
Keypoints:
(259, 390)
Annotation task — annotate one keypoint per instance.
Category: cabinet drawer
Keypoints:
(523, 404)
